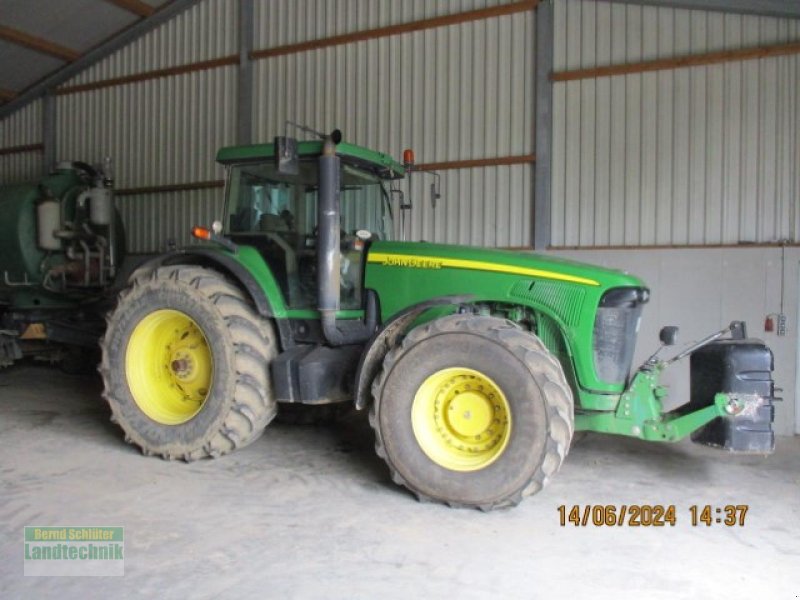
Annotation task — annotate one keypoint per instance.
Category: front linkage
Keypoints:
(730, 380)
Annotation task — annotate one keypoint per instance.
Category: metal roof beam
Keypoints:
(136, 7)
(37, 44)
(48, 133)
(543, 127)
(244, 108)
(97, 53)
(770, 8)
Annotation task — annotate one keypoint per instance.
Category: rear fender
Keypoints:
(233, 269)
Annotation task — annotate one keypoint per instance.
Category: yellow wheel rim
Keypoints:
(169, 367)
(461, 419)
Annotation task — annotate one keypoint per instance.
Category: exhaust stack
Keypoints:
(329, 256)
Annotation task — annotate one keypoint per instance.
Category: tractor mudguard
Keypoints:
(203, 257)
(385, 339)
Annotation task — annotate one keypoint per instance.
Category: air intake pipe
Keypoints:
(329, 256)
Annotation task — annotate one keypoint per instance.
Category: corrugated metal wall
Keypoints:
(161, 131)
(206, 31)
(489, 206)
(451, 93)
(161, 222)
(22, 128)
(700, 155)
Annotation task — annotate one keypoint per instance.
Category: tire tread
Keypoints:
(545, 369)
(254, 347)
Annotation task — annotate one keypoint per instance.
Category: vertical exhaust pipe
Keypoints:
(328, 243)
(329, 255)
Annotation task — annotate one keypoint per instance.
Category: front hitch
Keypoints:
(731, 399)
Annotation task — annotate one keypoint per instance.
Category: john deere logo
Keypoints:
(414, 262)
(87, 551)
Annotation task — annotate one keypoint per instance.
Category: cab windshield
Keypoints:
(277, 213)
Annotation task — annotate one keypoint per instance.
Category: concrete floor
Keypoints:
(310, 512)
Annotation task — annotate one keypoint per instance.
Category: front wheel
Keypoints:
(472, 411)
(185, 364)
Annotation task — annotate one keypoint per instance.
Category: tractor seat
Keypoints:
(270, 222)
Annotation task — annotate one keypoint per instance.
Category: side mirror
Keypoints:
(286, 158)
(668, 335)
(435, 194)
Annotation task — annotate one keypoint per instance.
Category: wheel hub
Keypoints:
(469, 414)
(180, 366)
(169, 367)
(461, 419)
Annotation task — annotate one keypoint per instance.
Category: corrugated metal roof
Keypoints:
(74, 25)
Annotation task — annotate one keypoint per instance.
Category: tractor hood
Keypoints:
(570, 297)
(476, 262)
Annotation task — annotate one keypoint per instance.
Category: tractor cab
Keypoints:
(275, 210)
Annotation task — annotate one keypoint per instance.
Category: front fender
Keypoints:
(385, 339)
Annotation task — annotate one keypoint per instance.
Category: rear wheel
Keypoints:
(185, 364)
(472, 411)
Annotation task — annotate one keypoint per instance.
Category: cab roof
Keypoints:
(382, 164)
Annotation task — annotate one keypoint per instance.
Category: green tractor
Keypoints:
(476, 365)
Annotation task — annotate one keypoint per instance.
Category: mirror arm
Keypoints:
(698, 345)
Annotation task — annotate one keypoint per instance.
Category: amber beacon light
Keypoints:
(201, 233)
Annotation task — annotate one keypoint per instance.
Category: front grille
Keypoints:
(615, 329)
(565, 299)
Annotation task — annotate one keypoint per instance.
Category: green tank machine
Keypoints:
(476, 365)
(61, 245)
